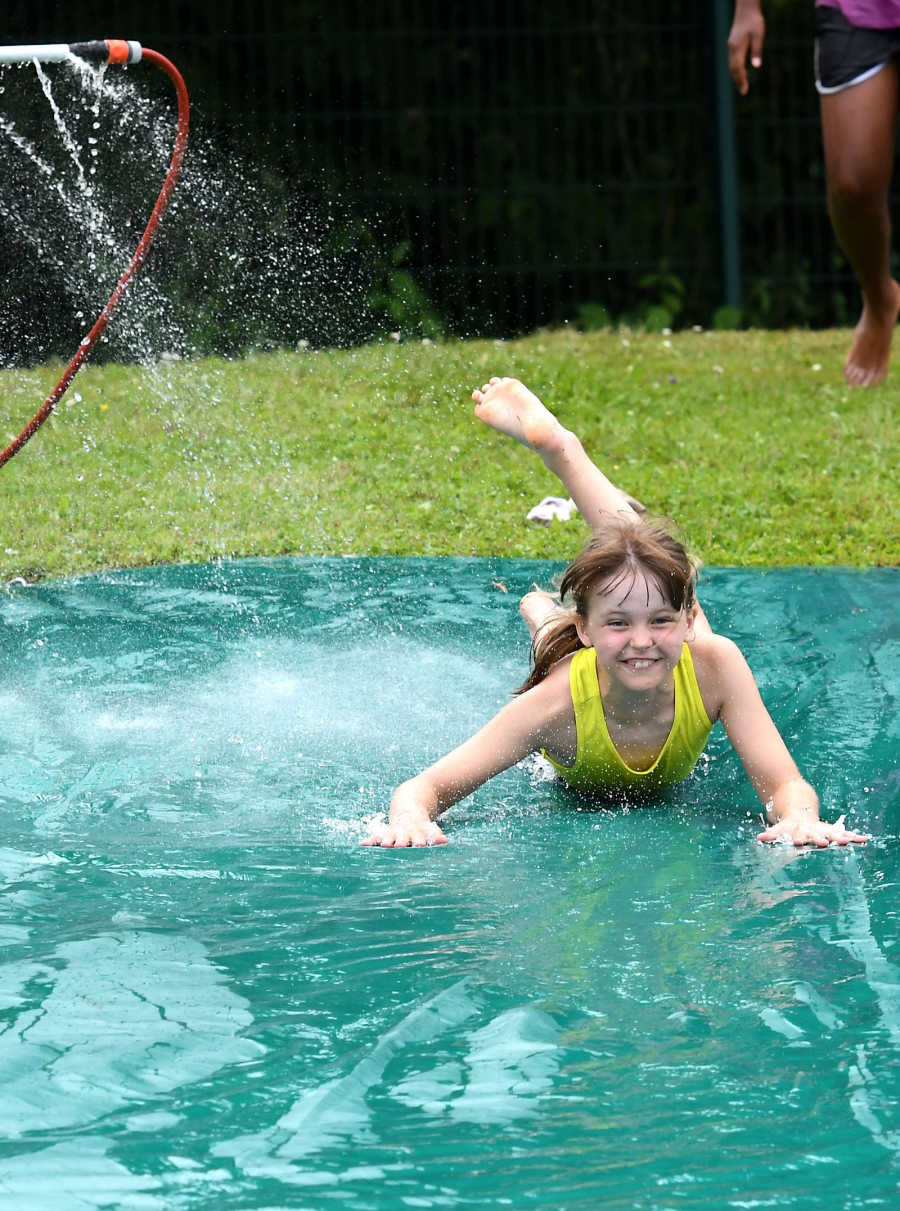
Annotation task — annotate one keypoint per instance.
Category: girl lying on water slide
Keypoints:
(627, 681)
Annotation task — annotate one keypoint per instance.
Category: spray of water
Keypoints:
(240, 261)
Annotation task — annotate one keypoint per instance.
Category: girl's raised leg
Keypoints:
(509, 407)
(539, 609)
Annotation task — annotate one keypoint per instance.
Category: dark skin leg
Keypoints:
(858, 126)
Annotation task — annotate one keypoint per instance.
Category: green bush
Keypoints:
(727, 318)
(658, 318)
(593, 317)
(399, 302)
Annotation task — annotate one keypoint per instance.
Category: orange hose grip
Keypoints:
(119, 50)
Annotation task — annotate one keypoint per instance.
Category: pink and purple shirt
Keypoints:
(867, 14)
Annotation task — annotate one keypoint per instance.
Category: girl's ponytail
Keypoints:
(555, 640)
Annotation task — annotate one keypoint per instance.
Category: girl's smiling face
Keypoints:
(636, 632)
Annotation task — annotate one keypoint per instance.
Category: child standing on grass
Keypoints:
(627, 681)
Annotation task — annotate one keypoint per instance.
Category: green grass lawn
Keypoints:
(750, 440)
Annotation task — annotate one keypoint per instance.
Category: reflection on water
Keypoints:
(211, 996)
(122, 1017)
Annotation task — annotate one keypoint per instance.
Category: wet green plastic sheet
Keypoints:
(213, 998)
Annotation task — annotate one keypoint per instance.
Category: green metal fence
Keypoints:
(527, 162)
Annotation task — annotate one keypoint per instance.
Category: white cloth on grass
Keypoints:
(552, 507)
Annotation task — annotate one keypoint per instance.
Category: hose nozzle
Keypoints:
(109, 50)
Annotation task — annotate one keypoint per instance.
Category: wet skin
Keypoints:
(638, 637)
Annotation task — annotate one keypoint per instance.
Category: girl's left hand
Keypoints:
(812, 832)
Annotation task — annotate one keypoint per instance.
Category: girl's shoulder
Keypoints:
(551, 698)
(556, 684)
(711, 648)
(716, 661)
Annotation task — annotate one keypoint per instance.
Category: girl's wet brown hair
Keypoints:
(618, 553)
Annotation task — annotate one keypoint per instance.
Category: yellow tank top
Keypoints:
(599, 767)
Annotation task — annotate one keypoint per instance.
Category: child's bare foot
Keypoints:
(869, 357)
(538, 608)
(509, 407)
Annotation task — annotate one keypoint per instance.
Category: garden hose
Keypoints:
(112, 50)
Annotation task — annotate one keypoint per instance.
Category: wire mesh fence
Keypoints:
(793, 269)
(512, 164)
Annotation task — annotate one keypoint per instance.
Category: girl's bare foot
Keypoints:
(869, 357)
(538, 608)
(509, 407)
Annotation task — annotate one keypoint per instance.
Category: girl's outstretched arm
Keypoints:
(792, 806)
(509, 407)
(542, 716)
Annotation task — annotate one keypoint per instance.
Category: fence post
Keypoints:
(726, 159)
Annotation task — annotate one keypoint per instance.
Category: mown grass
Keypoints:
(763, 458)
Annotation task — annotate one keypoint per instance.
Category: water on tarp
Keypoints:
(213, 997)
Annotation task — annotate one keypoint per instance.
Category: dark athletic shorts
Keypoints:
(846, 54)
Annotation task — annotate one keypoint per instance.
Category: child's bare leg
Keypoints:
(509, 407)
(538, 608)
(701, 622)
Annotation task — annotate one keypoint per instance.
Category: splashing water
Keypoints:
(68, 226)
(239, 261)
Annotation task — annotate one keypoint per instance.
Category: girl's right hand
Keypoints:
(411, 830)
(747, 33)
(543, 716)
(808, 829)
